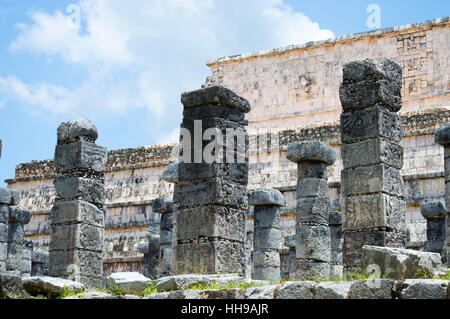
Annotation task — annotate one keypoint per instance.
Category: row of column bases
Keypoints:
(203, 228)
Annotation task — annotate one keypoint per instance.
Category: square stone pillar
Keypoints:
(313, 246)
(164, 207)
(442, 137)
(170, 175)
(435, 213)
(337, 242)
(371, 131)
(267, 235)
(77, 216)
(212, 182)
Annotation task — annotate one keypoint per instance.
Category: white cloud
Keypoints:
(145, 53)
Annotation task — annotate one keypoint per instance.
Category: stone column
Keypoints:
(249, 231)
(77, 216)
(170, 175)
(442, 137)
(337, 241)
(313, 250)
(164, 207)
(290, 242)
(17, 246)
(434, 213)
(7, 198)
(267, 235)
(371, 131)
(212, 187)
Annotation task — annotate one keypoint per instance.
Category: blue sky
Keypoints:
(125, 64)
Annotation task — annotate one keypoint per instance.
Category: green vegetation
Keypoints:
(422, 273)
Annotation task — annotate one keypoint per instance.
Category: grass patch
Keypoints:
(423, 273)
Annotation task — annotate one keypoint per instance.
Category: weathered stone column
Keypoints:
(7, 198)
(442, 137)
(77, 216)
(337, 242)
(150, 249)
(164, 207)
(371, 130)
(313, 252)
(267, 235)
(170, 175)
(290, 242)
(434, 213)
(212, 187)
(17, 252)
(249, 231)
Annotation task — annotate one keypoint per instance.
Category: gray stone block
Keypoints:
(372, 289)
(213, 191)
(371, 122)
(263, 292)
(162, 205)
(8, 196)
(354, 241)
(335, 218)
(16, 233)
(234, 172)
(215, 95)
(170, 174)
(211, 221)
(372, 69)
(313, 243)
(211, 256)
(165, 237)
(267, 238)
(371, 152)
(87, 189)
(312, 210)
(17, 215)
(212, 111)
(372, 179)
(311, 151)
(435, 209)
(266, 259)
(128, 282)
(436, 230)
(11, 286)
(360, 95)
(80, 155)
(186, 281)
(166, 221)
(290, 241)
(267, 217)
(398, 263)
(77, 236)
(76, 129)
(185, 294)
(374, 210)
(332, 290)
(296, 290)
(271, 274)
(268, 196)
(311, 170)
(76, 211)
(3, 233)
(312, 187)
(4, 213)
(75, 263)
(423, 289)
(50, 286)
(442, 135)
